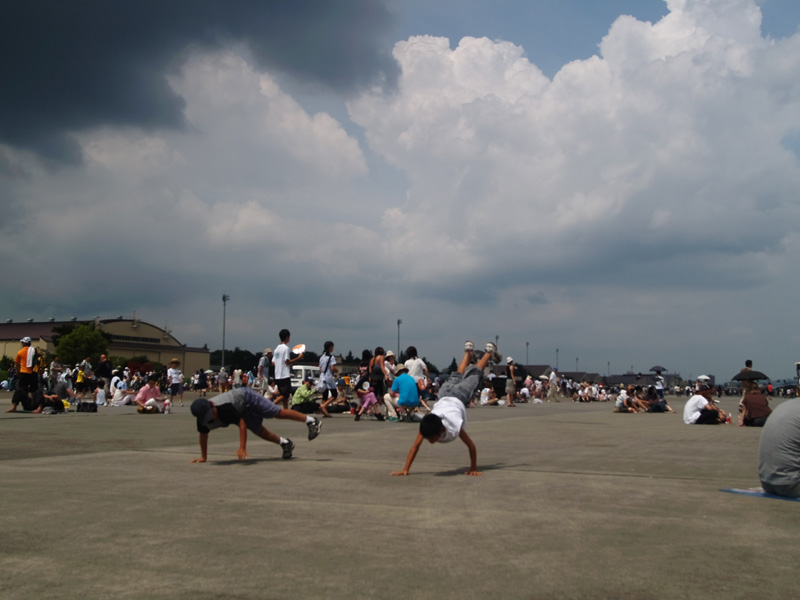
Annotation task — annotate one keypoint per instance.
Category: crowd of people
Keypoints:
(388, 390)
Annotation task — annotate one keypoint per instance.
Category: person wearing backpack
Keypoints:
(27, 379)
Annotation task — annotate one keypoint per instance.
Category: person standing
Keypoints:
(511, 384)
(175, 380)
(56, 369)
(265, 372)
(327, 377)
(27, 380)
(283, 365)
(237, 377)
(552, 388)
(103, 371)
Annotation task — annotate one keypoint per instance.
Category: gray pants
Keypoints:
(462, 385)
(787, 491)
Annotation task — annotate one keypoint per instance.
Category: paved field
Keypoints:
(575, 502)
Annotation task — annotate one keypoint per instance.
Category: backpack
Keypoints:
(38, 361)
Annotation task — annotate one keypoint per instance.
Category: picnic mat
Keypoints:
(758, 493)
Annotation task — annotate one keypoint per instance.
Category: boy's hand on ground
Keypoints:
(399, 473)
(241, 453)
(201, 459)
(473, 473)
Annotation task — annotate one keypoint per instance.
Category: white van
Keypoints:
(300, 372)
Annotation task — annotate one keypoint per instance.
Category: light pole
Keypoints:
(556, 359)
(576, 364)
(225, 299)
(399, 322)
(526, 353)
(608, 369)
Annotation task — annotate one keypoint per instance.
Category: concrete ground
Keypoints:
(575, 502)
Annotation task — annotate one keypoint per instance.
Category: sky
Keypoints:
(610, 185)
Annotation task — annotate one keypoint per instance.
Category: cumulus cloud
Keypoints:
(72, 66)
(622, 196)
(665, 147)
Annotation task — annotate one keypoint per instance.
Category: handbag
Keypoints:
(88, 407)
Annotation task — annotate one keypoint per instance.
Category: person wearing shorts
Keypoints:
(175, 377)
(247, 409)
(283, 365)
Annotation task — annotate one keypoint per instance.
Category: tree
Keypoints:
(432, 368)
(81, 342)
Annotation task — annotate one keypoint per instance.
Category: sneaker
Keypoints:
(379, 416)
(313, 428)
(287, 449)
(469, 348)
(358, 417)
(393, 419)
(496, 357)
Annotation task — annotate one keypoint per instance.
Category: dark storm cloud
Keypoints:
(72, 65)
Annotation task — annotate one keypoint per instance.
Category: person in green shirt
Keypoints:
(304, 399)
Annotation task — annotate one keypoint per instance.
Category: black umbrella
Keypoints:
(749, 375)
(659, 368)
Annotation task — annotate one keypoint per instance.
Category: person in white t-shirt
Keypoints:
(700, 408)
(446, 421)
(175, 380)
(283, 369)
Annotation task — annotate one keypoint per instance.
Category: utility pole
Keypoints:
(225, 299)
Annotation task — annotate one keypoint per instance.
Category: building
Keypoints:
(129, 338)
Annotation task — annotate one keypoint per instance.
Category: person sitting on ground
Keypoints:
(624, 403)
(336, 403)
(149, 398)
(304, 398)
(779, 451)
(59, 395)
(99, 392)
(493, 399)
(700, 408)
(367, 398)
(446, 421)
(122, 395)
(247, 409)
(755, 410)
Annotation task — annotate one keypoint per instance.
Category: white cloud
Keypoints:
(673, 130)
(619, 198)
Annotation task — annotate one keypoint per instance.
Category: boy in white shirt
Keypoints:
(175, 380)
(446, 421)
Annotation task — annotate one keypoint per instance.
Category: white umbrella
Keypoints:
(703, 378)
(209, 372)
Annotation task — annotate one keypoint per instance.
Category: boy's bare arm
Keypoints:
(473, 453)
(242, 451)
(203, 448)
(411, 455)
